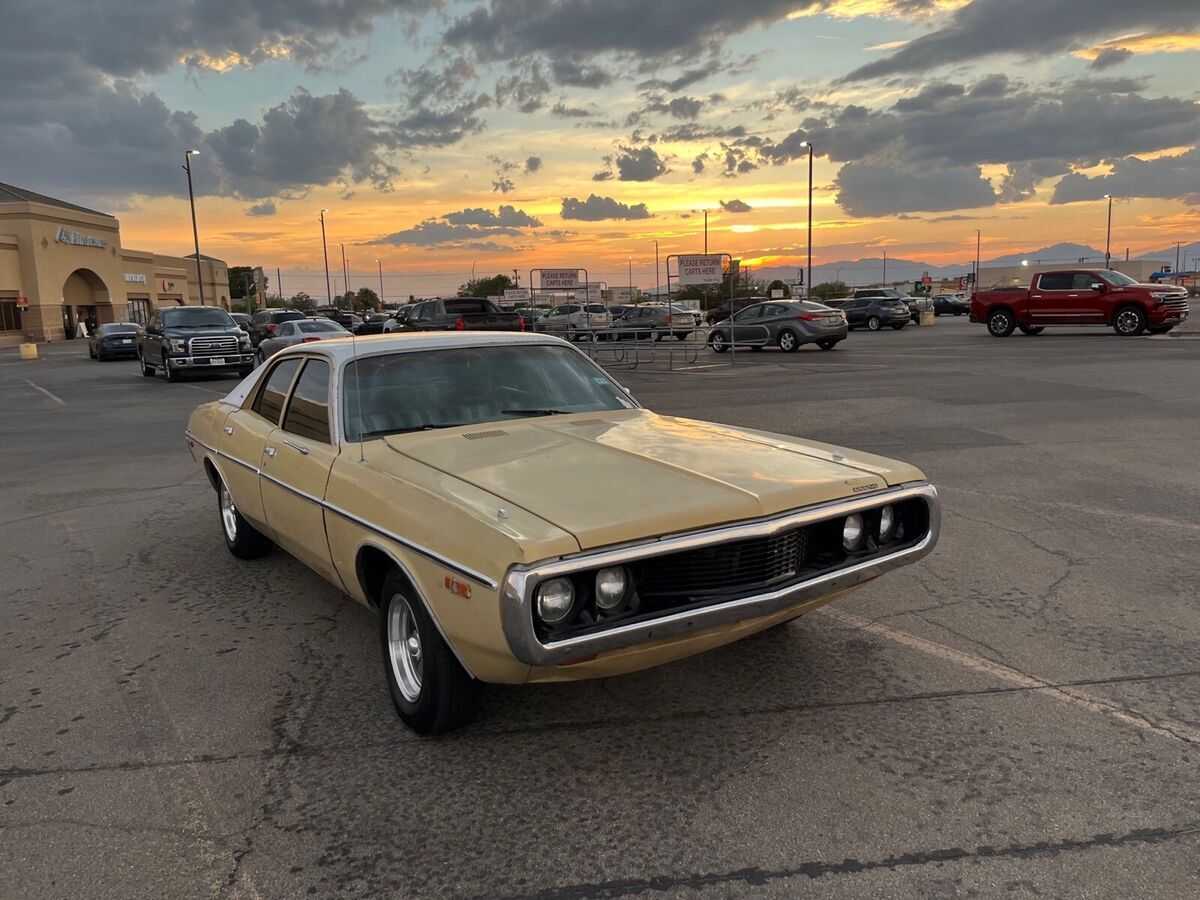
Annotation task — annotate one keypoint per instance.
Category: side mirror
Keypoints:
(1098, 286)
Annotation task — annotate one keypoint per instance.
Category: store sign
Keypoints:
(135, 277)
(560, 279)
(777, 294)
(67, 236)
(517, 294)
(168, 286)
(700, 269)
(22, 303)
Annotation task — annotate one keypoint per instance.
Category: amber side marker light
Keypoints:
(461, 588)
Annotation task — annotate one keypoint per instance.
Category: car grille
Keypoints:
(1176, 303)
(735, 568)
(214, 346)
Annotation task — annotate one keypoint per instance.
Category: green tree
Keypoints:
(303, 302)
(828, 289)
(364, 301)
(778, 285)
(486, 287)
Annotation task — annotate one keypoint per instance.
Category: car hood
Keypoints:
(612, 477)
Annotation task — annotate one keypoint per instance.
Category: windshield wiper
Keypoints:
(533, 412)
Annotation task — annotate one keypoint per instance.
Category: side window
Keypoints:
(1083, 281)
(414, 314)
(1056, 281)
(284, 330)
(269, 403)
(308, 410)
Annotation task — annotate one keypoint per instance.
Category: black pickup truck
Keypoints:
(182, 339)
(460, 314)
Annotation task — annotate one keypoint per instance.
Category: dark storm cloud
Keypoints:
(597, 209)
(736, 206)
(876, 189)
(570, 73)
(1164, 177)
(1109, 57)
(639, 164)
(1029, 28)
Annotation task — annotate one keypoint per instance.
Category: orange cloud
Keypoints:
(1145, 43)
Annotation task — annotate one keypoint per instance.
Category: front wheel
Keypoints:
(430, 689)
(1032, 329)
(788, 342)
(827, 344)
(241, 538)
(874, 323)
(718, 342)
(1001, 323)
(148, 371)
(1130, 322)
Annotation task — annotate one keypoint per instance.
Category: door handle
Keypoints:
(270, 451)
(296, 447)
(229, 429)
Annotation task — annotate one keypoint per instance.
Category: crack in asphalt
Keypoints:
(296, 749)
(759, 877)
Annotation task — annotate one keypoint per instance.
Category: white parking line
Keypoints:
(1074, 696)
(59, 400)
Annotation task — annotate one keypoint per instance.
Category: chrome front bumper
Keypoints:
(516, 604)
(231, 361)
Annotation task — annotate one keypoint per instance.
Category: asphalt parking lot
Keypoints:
(1017, 715)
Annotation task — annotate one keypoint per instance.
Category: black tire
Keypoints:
(171, 374)
(1130, 321)
(718, 342)
(245, 371)
(874, 323)
(1031, 330)
(1000, 323)
(242, 539)
(788, 341)
(91, 352)
(828, 343)
(443, 697)
(148, 371)
(899, 326)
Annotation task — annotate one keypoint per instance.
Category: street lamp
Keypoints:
(978, 242)
(808, 277)
(187, 167)
(325, 251)
(631, 279)
(657, 282)
(379, 262)
(1108, 238)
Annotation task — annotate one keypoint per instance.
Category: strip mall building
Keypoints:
(61, 264)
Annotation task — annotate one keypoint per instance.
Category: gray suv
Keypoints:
(786, 324)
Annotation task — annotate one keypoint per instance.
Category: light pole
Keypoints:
(1108, 238)
(325, 251)
(631, 279)
(379, 262)
(978, 242)
(187, 167)
(706, 232)
(345, 272)
(657, 281)
(808, 277)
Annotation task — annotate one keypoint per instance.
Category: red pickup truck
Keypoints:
(1081, 297)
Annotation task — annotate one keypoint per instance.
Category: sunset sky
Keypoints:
(518, 133)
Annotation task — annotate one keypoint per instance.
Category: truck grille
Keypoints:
(226, 345)
(1176, 303)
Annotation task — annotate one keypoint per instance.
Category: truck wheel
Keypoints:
(243, 539)
(1032, 329)
(172, 374)
(431, 691)
(1001, 323)
(148, 371)
(874, 323)
(1130, 321)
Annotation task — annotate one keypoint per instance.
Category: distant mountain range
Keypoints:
(870, 270)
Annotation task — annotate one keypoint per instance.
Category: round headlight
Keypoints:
(612, 586)
(887, 522)
(555, 598)
(852, 531)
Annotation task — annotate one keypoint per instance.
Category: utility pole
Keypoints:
(379, 262)
(1178, 249)
(345, 272)
(657, 282)
(706, 232)
(885, 268)
(808, 288)
(325, 251)
(279, 282)
(187, 167)
(978, 242)
(1108, 237)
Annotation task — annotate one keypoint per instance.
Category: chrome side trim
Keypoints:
(478, 577)
(429, 609)
(516, 609)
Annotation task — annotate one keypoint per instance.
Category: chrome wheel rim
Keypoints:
(404, 648)
(228, 515)
(999, 323)
(1127, 322)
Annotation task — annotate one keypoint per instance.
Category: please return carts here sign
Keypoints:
(560, 279)
(700, 269)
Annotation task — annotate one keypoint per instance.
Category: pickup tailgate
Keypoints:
(491, 321)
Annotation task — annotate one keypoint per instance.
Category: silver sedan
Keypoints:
(299, 331)
(785, 324)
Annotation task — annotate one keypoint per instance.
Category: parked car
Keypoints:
(1081, 297)
(299, 331)
(786, 324)
(951, 305)
(653, 323)
(181, 339)
(243, 321)
(720, 313)
(403, 477)
(915, 305)
(574, 320)
(460, 314)
(397, 320)
(678, 313)
(345, 318)
(873, 313)
(372, 323)
(114, 340)
(265, 321)
(531, 316)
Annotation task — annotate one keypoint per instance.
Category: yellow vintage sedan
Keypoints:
(516, 516)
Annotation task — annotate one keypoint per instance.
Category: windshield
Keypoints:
(1119, 279)
(196, 317)
(470, 305)
(416, 391)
